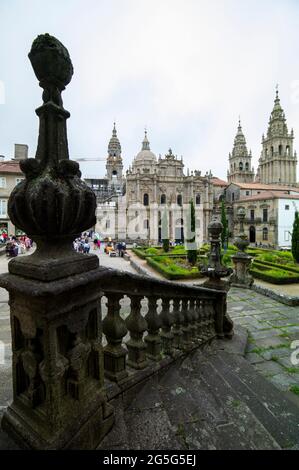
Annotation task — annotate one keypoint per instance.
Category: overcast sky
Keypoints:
(184, 69)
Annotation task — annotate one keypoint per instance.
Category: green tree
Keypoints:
(191, 244)
(165, 231)
(295, 238)
(224, 233)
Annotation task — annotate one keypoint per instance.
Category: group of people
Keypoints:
(17, 245)
(83, 244)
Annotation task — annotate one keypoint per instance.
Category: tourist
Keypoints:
(95, 243)
(86, 246)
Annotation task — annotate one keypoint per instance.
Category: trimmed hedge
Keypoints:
(172, 271)
(143, 255)
(274, 276)
(284, 267)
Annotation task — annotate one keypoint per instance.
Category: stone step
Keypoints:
(239, 428)
(278, 415)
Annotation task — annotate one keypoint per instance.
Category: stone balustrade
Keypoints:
(161, 319)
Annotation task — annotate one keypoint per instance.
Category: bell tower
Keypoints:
(240, 170)
(114, 165)
(278, 161)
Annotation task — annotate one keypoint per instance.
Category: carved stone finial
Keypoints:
(52, 204)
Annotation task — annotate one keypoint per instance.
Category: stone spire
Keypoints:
(114, 147)
(240, 160)
(277, 122)
(145, 142)
(239, 149)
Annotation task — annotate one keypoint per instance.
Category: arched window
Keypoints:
(145, 224)
(288, 150)
(163, 198)
(145, 199)
(272, 151)
(231, 167)
(265, 233)
(234, 166)
(197, 200)
(266, 152)
(246, 166)
(179, 200)
(280, 149)
(241, 166)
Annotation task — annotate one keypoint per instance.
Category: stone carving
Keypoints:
(52, 204)
(59, 398)
(241, 260)
(215, 271)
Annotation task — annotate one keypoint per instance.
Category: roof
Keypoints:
(268, 195)
(10, 166)
(269, 187)
(218, 182)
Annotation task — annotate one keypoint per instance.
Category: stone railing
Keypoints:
(161, 318)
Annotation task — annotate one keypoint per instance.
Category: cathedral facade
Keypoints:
(155, 199)
(152, 201)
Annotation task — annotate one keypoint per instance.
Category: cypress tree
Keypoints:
(224, 233)
(165, 231)
(295, 238)
(192, 253)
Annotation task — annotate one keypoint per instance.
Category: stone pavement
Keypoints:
(272, 328)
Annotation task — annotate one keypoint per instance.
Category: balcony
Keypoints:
(250, 221)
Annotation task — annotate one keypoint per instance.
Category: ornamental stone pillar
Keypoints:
(54, 295)
(241, 260)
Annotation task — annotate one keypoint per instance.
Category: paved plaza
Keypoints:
(272, 327)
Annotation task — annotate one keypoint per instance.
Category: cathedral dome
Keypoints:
(145, 156)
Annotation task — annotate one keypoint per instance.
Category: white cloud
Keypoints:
(186, 69)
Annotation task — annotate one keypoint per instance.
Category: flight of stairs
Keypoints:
(212, 399)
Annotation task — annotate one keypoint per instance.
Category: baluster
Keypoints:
(211, 320)
(167, 322)
(186, 329)
(205, 320)
(193, 318)
(154, 322)
(136, 325)
(114, 329)
(177, 326)
(199, 320)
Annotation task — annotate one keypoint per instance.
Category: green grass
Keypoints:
(270, 348)
(294, 389)
(292, 370)
(171, 269)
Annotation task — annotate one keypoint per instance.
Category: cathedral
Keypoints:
(151, 201)
(154, 190)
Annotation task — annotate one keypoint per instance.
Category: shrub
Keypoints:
(166, 245)
(295, 238)
(152, 251)
(170, 270)
(272, 275)
(286, 267)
